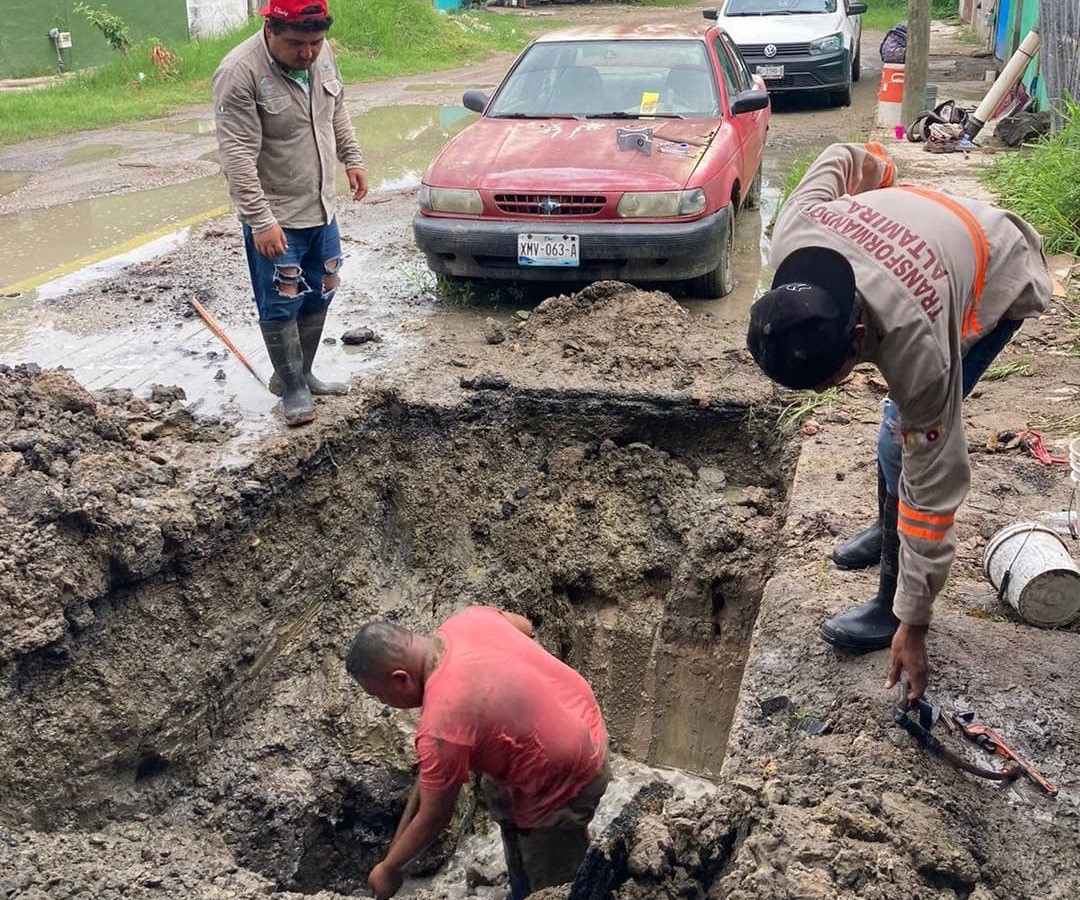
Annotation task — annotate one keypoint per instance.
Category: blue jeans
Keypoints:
(975, 363)
(315, 252)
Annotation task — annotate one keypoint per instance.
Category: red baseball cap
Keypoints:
(295, 10)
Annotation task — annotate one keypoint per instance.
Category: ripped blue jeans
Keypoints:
(314, 254)
(976, 361)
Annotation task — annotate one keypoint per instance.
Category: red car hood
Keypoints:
(569, 154)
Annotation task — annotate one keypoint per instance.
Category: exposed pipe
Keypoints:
(1005, 82)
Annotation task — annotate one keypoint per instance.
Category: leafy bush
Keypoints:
(1042, 184)
(114, 29)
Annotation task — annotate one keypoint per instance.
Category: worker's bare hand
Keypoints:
(384, 882)
(909, 655)
(271, 242)
(357, 183)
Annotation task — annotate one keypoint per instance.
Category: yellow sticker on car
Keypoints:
(649, 101)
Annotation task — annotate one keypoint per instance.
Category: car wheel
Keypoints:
(856, 65)
(841, 98)
(720, 281)
(753, 196)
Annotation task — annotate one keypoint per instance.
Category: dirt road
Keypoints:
(178, 589)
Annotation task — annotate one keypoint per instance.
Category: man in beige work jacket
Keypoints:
(279, 107)
(929, 287)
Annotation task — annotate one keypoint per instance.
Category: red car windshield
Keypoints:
(610, 78)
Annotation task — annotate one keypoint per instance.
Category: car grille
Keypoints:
(550, 204)
(783, 51)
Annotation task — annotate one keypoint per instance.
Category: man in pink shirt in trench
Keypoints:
(494, 702)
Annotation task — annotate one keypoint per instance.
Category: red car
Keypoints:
(611, 152)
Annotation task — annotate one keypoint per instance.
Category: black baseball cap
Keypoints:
(800, 331)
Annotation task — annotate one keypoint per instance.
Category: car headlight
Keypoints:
(450, 200)
(662, 204)
(829, 44)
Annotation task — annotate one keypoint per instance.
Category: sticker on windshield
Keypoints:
(649, 101)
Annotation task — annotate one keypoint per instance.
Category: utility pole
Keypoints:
(917, 60)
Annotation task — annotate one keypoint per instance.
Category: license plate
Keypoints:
(548, 250)
(770, 72)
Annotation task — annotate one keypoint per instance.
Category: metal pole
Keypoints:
(917, 60)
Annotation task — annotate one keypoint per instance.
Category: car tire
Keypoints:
(753, 195)
(856, 65)
(720, 281)
(841, 98)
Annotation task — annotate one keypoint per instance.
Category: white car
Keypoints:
(797, 45)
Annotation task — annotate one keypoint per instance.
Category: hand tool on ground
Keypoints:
(988, 739)
(212, 324)
(927, 714)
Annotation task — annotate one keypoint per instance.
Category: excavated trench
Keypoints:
(210, 700)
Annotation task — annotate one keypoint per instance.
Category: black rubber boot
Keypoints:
(862, 550)
(872, 625)
(282, 339)
(311, 329)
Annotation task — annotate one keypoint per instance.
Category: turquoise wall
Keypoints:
(25, 48)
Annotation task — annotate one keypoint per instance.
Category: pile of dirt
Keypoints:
(88, 496)
(614, 332)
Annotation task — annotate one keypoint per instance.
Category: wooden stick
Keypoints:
(212, 324)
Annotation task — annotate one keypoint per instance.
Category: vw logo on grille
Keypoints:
(549, 206)
(770, 50)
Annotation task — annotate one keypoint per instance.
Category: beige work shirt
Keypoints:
(936, 273)
(279, 142)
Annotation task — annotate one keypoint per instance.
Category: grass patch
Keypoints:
(1042, 184)
(884, 14)
(1005, 370)
(372, 39)
(806, 403)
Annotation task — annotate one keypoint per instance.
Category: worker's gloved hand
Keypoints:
(384, 882)
(271, 242)
(909, 655)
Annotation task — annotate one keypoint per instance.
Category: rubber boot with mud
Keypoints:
(311, 329)
(282, 339)
(872, 625)
(862, 550)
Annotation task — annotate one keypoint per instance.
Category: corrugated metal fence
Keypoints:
(1059, 50)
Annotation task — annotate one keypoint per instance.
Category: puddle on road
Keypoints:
(400, 141)
(92, 153)
(46, 243)
(181, 126)
(10, 182)
(438, 88)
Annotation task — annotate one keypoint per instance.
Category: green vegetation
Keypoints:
(884, 14)
(1004, 370)
(1042, 184)
(372, 39)
(113, 28)
(806, 403)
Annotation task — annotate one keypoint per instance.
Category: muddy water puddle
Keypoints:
(399, 142)
(10, 182)
(55, 241)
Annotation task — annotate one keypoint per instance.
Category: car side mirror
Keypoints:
(749, 101)
(856, 9)
(709, 12)
(474, 100)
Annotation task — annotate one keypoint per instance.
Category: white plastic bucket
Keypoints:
(1031, 568)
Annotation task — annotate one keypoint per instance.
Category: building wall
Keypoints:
(210, 17)
(25, 47)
